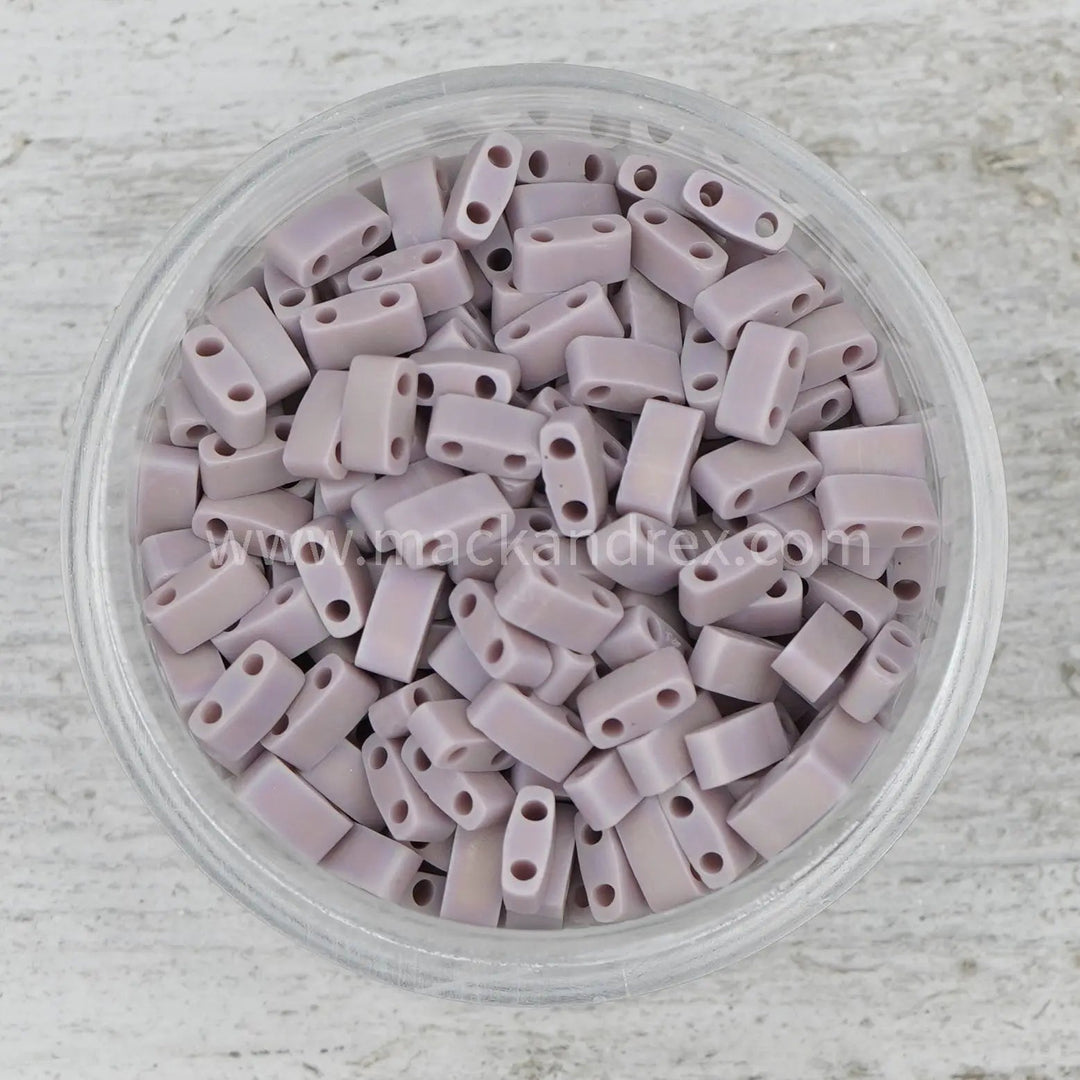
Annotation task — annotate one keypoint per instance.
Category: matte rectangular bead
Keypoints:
(874, 393)
(435, 526)
(831, 282)
(285, 617)
(546, 160)
(205, 597)
(636, 698)
(559, 605)
(453, 334)
(876, 680)
(377, 321)
(333, 700)
(391, 716)
(556, 889)
(860, 558)
(744, 477)
(415, 197)
(246, 701)
(890, 450)
(475, 372)
(819, 407)
(703, 364)
(816, 656)
(261, 523)
(345, 648)
(482, 188)
(572, 449)
(434, 269)
(370, 503)
(568, 671)
(601, 789)
(639, 632)
(228, 473)
(472, 800)
(340, 777)
(659, 758)
(408, 812)
(504, 651)
(641, 553)
(481, 435)
(167, 553)
(522, 775)
(398, 620)
(762, 383)
(531, 542)
(528, 847)
(659, 865)
(613, 893)
(560, 254)
(648, 313)
(334, 575)
(442, 730)
(867, 605)
(776, 612)
(846, 743)
(549, 401)
(474, 880)
(335, 497)
(653, 176)
(672, 252)
(699, 821)
(254, 331)
(378, 414)
(223, 386)
(189, 675)
(493, 257)
(837, 343)
(892, 511)
(539, 338)
(313, 448)
(799, 791)
(290, 807)
(186, 424)
(736, 211)
(538, 734)
(557, 200)
(288, 301)
(507, 303)
(777, 290)
(474, 323)
(730, 575)
(737, 745)
(621, 374)
(734, 664)
(910, 574)
(657, 470)
(799, 523)
(321, 240)
(425, 893)
(373, 862)
(455, 662)
(792, 796)
(436, 853)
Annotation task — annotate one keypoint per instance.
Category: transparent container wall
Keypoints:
(206, 256)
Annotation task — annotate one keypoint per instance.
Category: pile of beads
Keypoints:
(538, 539)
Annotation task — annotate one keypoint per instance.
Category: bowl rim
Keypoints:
(618, 959)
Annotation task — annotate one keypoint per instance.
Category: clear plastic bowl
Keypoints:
(219, 240)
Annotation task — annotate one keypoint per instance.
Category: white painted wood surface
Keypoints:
(959, 957)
